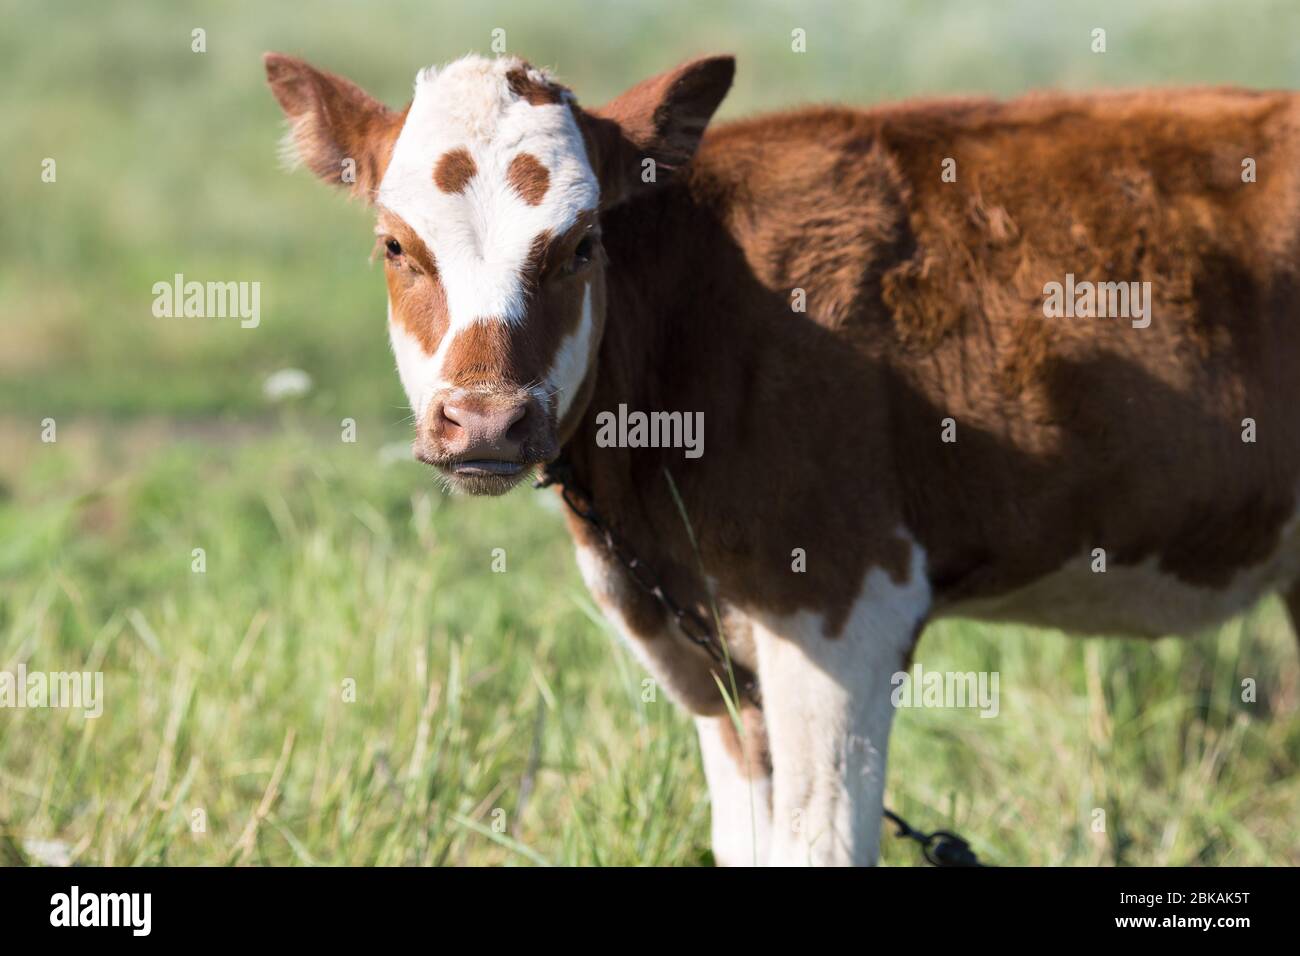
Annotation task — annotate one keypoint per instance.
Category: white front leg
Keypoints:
(828, 710)
(740, 787)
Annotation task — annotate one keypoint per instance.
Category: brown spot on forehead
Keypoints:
(528, 85)
(529, 178)
(454, 170)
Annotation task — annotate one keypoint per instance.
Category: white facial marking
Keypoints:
(572, 359)
(413, 365)
(481, 236)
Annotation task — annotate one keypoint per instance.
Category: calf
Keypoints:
(896, 325)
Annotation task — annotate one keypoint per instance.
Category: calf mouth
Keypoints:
(482, 476)
(489, 472)
(477, 467)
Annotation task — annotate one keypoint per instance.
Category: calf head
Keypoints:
(488, 190)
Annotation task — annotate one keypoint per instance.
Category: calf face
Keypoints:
(488, 190)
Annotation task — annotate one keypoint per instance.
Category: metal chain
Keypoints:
(941, 848)
(694, 626)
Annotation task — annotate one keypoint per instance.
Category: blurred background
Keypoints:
(346, 680)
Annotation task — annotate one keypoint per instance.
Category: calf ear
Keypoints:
(341, 133)
(661, 119)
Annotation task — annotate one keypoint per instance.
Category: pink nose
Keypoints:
(481, 428)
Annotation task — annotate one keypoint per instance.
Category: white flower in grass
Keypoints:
(48, 852)
(286, 384)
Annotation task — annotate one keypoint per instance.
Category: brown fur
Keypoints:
(536, 92)
(529, 178)
(454, 170)
(925, 302)
(334, 120)
(419, 302)
(660, 119)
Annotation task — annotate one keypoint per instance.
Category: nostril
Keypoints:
(453, 415)
(471, 427)
(516, 425)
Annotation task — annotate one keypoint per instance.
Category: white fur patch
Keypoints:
(414, 368)
(828, 710)
(481, 237)
(741, 807)
(1138, 599)
(573, 358)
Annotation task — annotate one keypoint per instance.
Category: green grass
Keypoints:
(475, 692)
(323, 565)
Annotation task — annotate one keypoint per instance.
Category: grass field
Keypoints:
(348, 680)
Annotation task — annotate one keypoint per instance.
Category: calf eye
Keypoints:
(393, 248)
(582, 254)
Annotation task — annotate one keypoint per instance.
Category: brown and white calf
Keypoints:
(933, 442)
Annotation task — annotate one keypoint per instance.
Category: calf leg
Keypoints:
(740, 787)
(828, 709)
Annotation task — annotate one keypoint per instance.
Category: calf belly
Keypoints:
(1140, 600)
